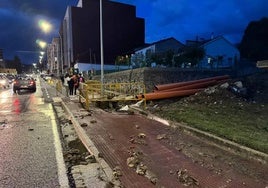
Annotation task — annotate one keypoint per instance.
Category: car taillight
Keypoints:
(31, 82)
(15, 82)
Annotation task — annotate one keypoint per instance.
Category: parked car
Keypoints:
(4, 82)
(24, 83)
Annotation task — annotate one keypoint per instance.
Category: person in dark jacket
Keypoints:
(71, 85)
(76, 83)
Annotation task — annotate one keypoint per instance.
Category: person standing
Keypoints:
(71, 85)
(81, 78)
(65, 83)
(76, 83)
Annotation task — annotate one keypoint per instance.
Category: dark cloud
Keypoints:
(182, 19)
(53, 9)
(186, 19)
(19, 25)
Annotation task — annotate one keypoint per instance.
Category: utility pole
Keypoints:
(61, 55)
(101, 44)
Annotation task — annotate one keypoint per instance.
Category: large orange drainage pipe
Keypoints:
(180, 84)
(191, 86)
(170, 94)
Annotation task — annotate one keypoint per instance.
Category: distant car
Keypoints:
(4, 82)
(11, 78)
(24, 83)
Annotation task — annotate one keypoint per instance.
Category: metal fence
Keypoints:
(94, 91)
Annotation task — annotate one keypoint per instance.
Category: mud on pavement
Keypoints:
(83, 168)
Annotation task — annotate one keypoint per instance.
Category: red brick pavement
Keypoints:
(116, 136)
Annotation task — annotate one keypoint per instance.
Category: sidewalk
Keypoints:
(140, 153)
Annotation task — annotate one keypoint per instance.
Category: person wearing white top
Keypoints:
(66, 85)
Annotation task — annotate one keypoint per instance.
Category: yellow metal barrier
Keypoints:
(59, 86)
(94, 91)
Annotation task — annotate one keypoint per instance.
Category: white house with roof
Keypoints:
(141, 55)
(219, 53)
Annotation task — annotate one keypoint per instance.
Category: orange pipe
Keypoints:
(180, 84)
(170, 94)
(139, 97)
(192, 86)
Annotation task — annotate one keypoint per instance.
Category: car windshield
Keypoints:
(24, 78)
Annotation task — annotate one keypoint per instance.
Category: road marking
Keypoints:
(63, 179)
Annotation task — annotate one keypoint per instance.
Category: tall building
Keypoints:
(80, 32)
(53, 51)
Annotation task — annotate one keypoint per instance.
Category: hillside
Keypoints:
(236, 111)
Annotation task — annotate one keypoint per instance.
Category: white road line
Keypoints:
(63, 179)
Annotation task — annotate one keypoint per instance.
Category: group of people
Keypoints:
(71, 83)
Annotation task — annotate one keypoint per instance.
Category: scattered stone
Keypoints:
(132, 161)
(84, 125)
(161, 136)
(210, 90)
(111, 137)
(90, 159)
(124, 108)
(224, 86)
(30, 129)
(141, 169)
(141, 135)
(186, 179)
(151, 176)
(238, 84)
(3, 121)
(228, 181)
(83, 163)
(100, 155)
(137, 126)
(117, 172)
(93, 121)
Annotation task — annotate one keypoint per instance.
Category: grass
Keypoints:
(243, 122)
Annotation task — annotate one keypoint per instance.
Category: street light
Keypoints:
(42, 44)
(45, 26)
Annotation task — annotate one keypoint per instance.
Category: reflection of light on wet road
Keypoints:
(16, 104)
(3, 97)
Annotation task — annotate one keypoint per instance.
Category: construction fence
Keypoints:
(93, 91)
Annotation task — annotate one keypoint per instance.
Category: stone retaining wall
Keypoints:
(156, 76)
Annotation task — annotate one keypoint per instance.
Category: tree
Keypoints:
(15, 64)
(254, 44)
(190, 55)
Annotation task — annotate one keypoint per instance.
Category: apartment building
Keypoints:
(123, 31)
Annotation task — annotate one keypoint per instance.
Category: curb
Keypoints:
(236, 148)
(89, 145)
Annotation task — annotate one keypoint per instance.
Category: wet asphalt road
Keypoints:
(30, 150)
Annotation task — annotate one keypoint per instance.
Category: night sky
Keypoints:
(181, 19)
